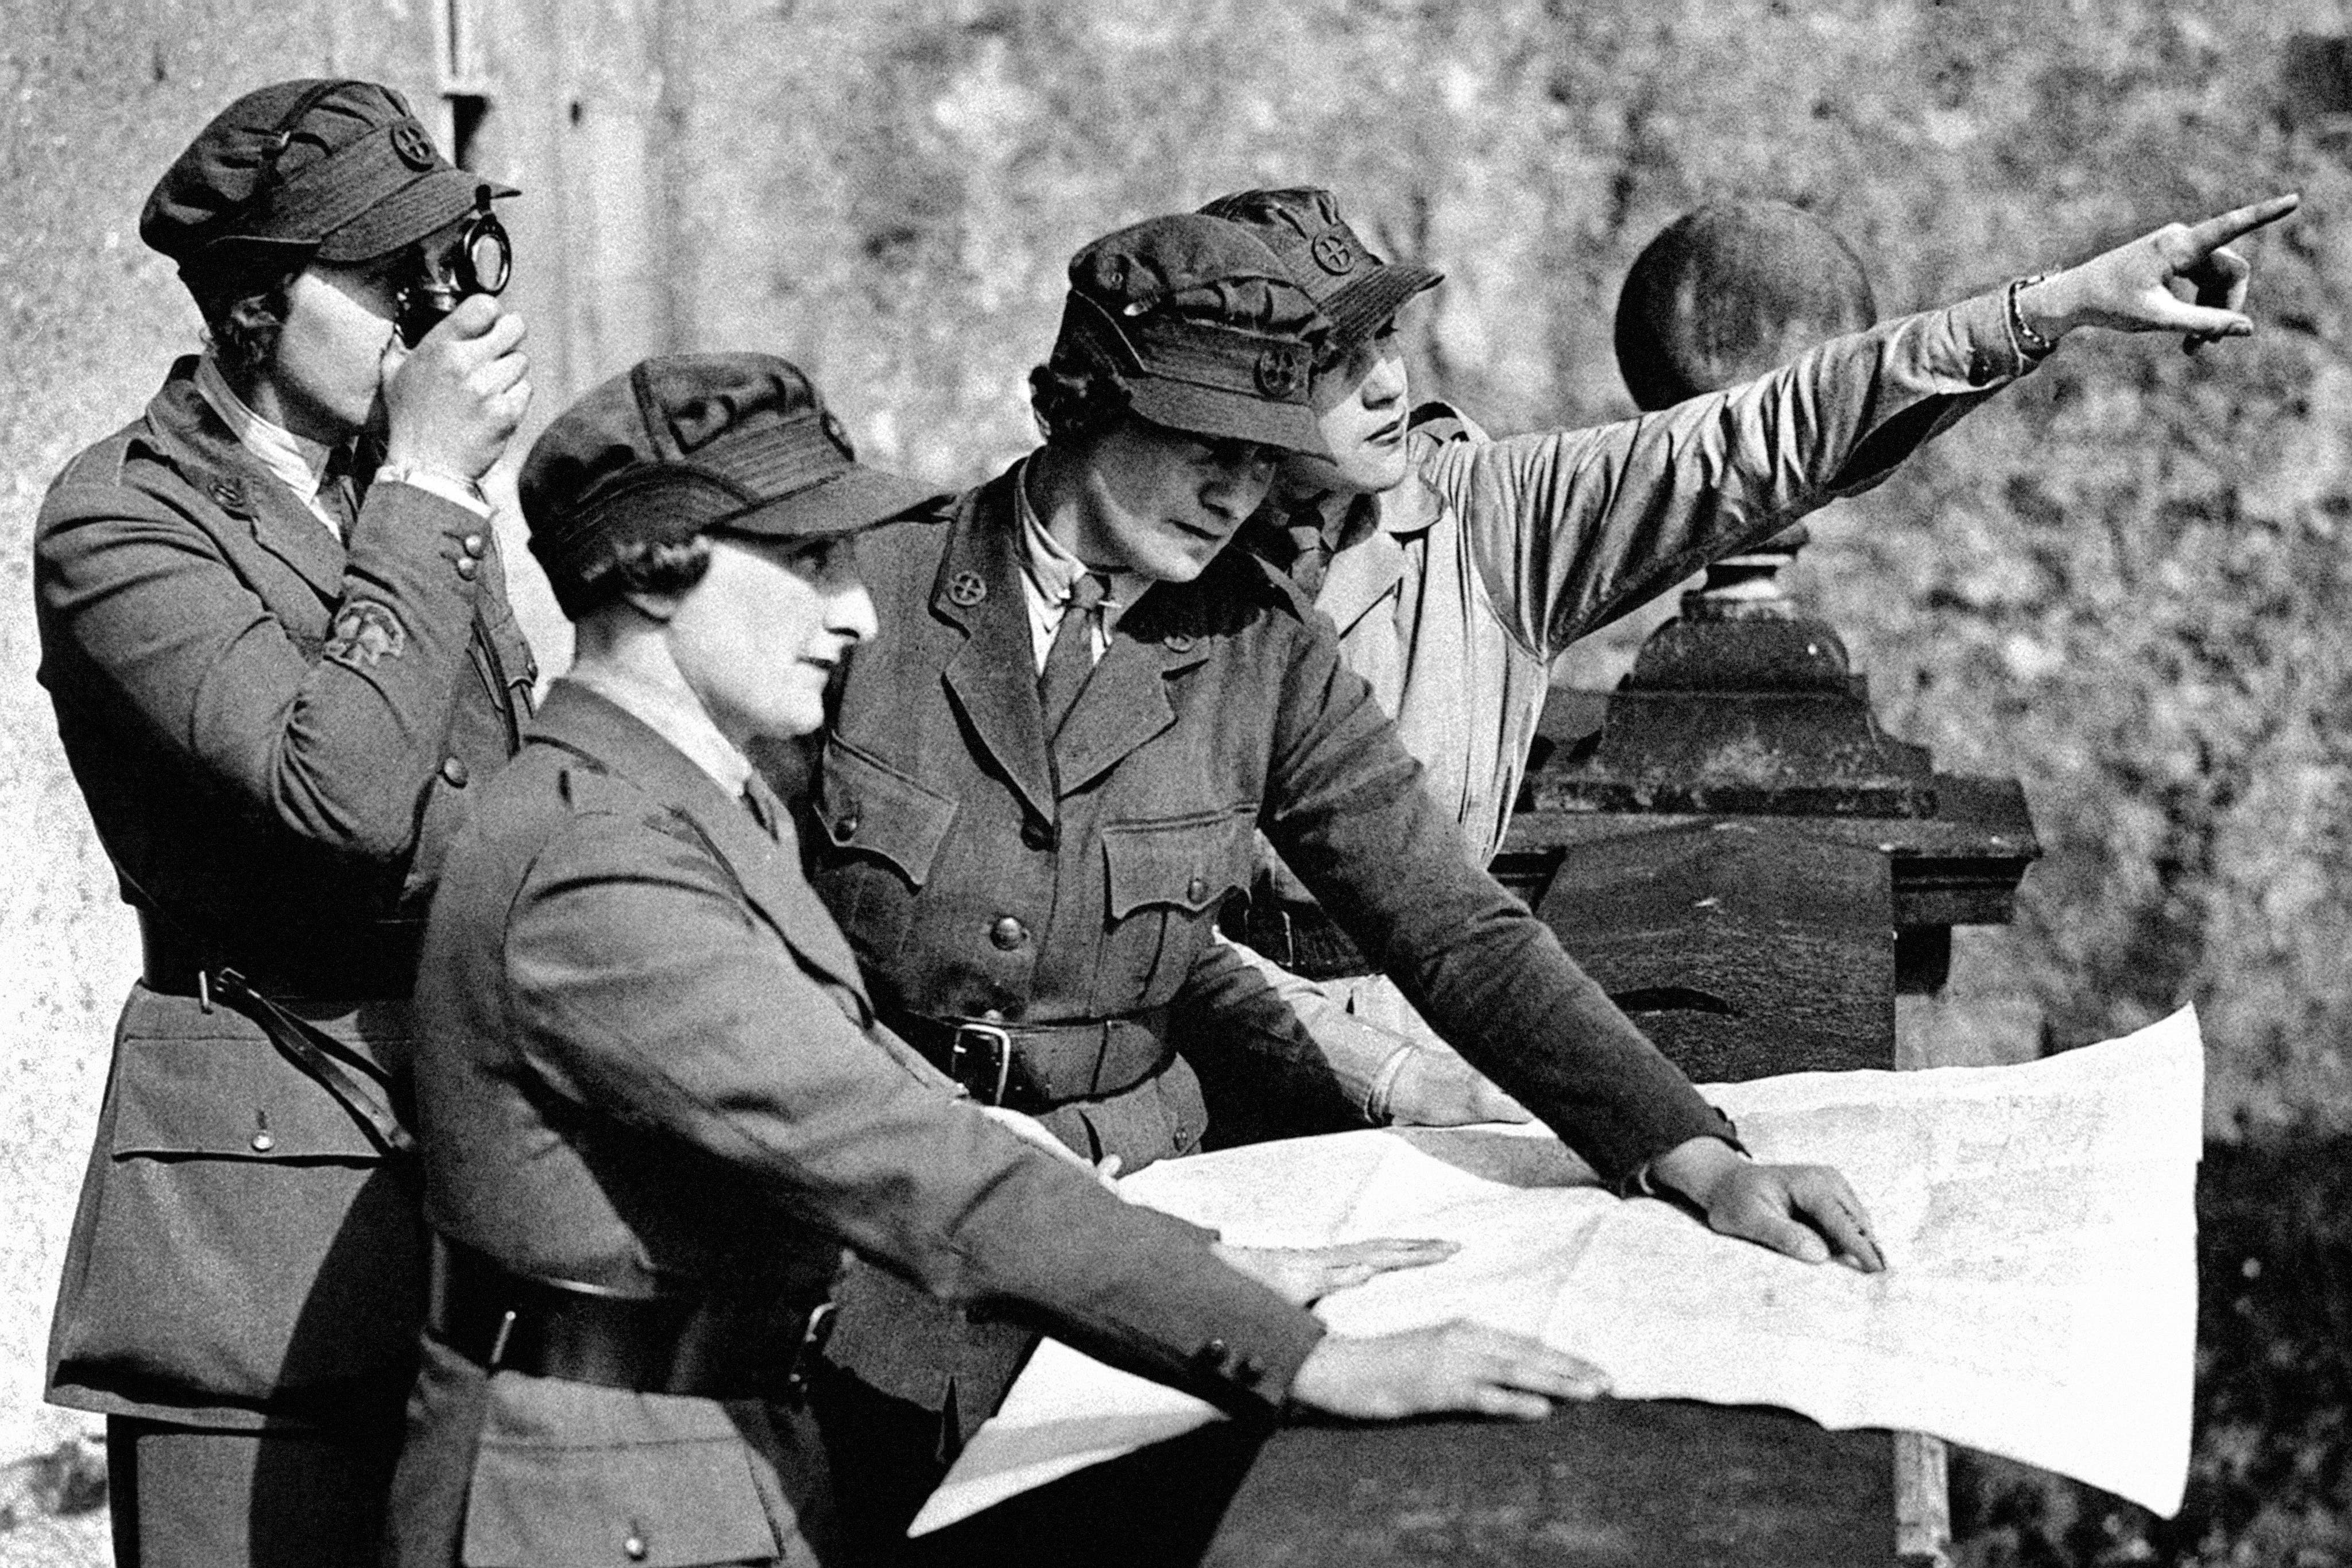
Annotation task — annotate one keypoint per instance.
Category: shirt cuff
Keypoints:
(448, 487)
(1994, 356)
(1377, 1108)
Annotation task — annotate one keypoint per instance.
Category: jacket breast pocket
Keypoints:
(243, 1237)
(1165, 879)
(881, 834)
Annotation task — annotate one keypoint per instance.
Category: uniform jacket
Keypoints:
(1455, 592)
(975, 868)
(274, 734)
(647, 1063)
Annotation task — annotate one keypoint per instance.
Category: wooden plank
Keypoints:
(1632, 1484)
(1743, 950)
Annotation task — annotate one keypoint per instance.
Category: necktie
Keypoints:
(336, 492)
(1311, 552)
(1071, 659)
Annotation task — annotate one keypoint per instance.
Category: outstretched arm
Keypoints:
(1571, 528)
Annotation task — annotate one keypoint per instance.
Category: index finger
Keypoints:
(2217, 231)
(1845, 1226)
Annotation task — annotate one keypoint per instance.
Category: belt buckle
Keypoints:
(989, 1034)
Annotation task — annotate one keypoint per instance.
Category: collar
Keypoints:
(1051, 568)
(1349, 518)
(297, 461)
(674, 716)
(1411, 508)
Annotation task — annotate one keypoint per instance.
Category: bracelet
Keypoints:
(2031, 344)
(1377, 1108)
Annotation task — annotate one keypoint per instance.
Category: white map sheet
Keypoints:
(2041, 1300)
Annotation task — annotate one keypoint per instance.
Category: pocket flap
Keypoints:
(231, 1097)
(863, 804)
(663, 1504)
(1188, 862)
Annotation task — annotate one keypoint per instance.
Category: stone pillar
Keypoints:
(1739, 854)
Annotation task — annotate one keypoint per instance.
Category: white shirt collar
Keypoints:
(674, 716)
(297, 461)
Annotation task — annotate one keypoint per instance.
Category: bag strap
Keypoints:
(361, 1087)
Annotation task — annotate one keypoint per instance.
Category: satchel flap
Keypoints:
(625, 1483)
(1189, 861)
(229, 1096)
(865, 805)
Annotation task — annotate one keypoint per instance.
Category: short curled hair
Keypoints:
(1075, 400)
(241, 325)
(641, 566)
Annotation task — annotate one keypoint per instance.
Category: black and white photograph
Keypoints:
(1306, 784)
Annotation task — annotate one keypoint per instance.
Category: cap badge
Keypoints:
(967, 589)
(1179, 641)
(1281, 370)
(1332, 252)
(415, 148)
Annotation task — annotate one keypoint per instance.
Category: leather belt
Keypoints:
(363, 1086)
(173, 965)
(712, 1347)
(1302, 939)
(1036, 1067)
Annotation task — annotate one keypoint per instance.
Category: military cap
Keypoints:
(1351, 284)
(695, 444)
(302, 170)
(1200, 325)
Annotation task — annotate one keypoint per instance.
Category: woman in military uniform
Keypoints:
(273, 628)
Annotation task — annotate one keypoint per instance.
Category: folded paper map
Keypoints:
(2040, 1302)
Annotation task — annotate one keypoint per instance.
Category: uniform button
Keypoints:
(1008, 933)
(473, 544)
(467, 566)
(1040, 835)
(636, 1547)
(1979, 368)
(1196, 890)
(263, 1142)
(844, 827)
(453, 769)
(1215, 1351)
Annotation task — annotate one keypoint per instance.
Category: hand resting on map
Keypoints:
(1807, 1212)
(1450, 1368)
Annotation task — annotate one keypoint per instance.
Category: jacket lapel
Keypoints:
(768, 872)
(1371, 568)
(209, 457)
(1125, 702)
(286, 527)
(771, 877)
(994, 677)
